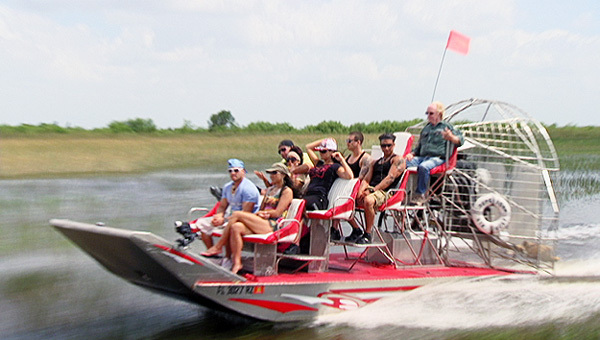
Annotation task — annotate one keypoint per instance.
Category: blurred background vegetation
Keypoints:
(224, 122)
(220, 122)
(138, 145)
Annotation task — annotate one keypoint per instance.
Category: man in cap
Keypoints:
(239, 194)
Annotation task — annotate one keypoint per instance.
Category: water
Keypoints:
(51, 289)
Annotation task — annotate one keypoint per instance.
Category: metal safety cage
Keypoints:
(508, 160)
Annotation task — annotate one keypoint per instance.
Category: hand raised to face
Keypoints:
(337, 156)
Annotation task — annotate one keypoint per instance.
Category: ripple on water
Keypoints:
(50, 288)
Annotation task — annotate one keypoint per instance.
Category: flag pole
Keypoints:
(438, 75)
(457, 42)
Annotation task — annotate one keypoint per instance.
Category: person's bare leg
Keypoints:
(369, 213)
(254, 223)
(207, 239)
(236, 243)
(217, 248)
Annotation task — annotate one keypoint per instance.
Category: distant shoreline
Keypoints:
(65, 156)
(85, 155)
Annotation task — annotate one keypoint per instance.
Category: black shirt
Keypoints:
(322, 177)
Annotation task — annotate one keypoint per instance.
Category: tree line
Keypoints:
(222, 121)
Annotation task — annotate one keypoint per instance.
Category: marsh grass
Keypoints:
(68, 155)
(48, 156)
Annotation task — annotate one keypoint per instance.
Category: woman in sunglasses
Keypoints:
(327, 169)
(274, 207)
(294, 161)
(285, 147)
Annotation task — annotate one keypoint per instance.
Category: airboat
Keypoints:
(492, 211)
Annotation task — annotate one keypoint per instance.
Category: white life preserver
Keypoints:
(482, 223)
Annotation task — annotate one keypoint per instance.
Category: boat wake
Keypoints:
(478, 304)
(572, 294)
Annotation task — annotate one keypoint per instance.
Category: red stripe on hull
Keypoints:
(180, 254)
(282, 307)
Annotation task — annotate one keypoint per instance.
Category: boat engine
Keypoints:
(185, 230)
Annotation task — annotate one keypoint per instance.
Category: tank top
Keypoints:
(271, 199)
(355, 167)
(270, 202)
(381, 169)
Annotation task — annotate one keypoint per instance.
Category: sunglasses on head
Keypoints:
(429, 113)
(233, 170)
(386, 145)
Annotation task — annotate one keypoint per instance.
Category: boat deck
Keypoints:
(365, 271)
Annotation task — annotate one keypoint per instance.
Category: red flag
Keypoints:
(458, 42)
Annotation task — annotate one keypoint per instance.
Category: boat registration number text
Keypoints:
(240, 290)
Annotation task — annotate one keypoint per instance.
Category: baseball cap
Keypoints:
(327, 144)
(279, 167)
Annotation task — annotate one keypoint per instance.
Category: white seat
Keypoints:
(341, 196)
(265, 245)
(404, 141)
(287, 229)
(376, 152)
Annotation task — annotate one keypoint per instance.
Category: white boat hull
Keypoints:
(147, 260)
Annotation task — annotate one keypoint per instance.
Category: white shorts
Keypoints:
(205, 226)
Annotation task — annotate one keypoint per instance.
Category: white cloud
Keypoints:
(88, 63)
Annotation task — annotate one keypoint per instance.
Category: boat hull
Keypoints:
(147, 260)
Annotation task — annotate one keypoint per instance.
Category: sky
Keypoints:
(87, 63)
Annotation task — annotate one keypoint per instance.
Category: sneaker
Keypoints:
(335, 235)
(355, 235)
(364, 239)
(418, 200)
(226, 263)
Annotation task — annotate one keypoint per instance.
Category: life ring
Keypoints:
(481, 222)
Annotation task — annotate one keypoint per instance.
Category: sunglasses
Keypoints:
(386, 145)
(351, 140)
(282, 150)
(429, 113)
(234, 170)
(323, 151)
(271, 172)
(292, 159)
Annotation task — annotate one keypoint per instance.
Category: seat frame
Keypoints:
(342, 201)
